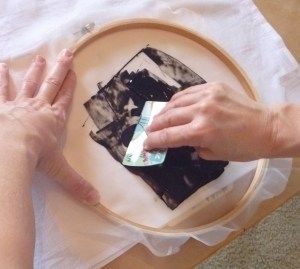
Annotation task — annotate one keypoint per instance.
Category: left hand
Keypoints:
(36, 119)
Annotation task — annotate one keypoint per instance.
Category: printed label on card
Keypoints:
(135, 154)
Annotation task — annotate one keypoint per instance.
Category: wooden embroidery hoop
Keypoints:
(169, 230)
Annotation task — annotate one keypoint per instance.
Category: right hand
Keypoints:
(220, 123)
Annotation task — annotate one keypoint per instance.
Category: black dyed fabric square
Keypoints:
(116, 108)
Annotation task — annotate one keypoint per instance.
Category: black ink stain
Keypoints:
(116, 109)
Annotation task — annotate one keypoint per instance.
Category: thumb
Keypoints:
(206, 154)
(59, 169)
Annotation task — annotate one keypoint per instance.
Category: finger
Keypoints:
(206, 154)
(32, 78)
(190, 90)
(4, 78)
(70, 180)
(172, 137)
(174, 117)
(54, 80)
(64, 98)
(183, 101)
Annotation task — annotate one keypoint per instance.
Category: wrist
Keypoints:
(285, 138)
(18, 148)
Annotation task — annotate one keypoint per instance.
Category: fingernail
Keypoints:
(93, 197)
(3, 66)
(39, 59)
(67, 53)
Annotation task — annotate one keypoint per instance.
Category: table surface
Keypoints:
(284, 16)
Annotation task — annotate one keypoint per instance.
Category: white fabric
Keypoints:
(69, 235)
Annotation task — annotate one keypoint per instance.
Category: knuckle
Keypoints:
(206, 107)
(203, 107)
(28, 102)
(204, 130)
(176, 95)
(211, 98)
(169, 106)
(28, 83)
(213, 94)
(176, 103)
(164, 137)
(40, 103)
(218, 90)
(168, 119)
(209, 109)
(197, 127)
(67, 93)
(60, 114)
(79, 187)
(203, 94)
(64, 104)
(64, 62)
(52, 81)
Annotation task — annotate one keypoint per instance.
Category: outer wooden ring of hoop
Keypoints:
(233, 67)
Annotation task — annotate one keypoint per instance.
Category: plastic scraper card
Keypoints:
(135, 154)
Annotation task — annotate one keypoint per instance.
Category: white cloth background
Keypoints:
(45, 27)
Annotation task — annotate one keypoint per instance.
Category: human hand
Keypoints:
(36, 118)
(220, 123)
